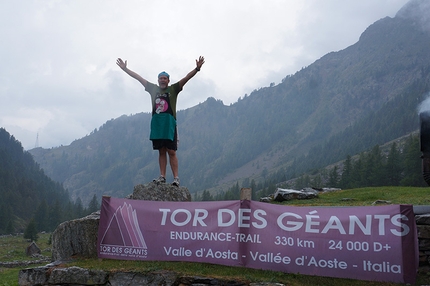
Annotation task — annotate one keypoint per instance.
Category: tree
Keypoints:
(253, 189)
(93, 205)
(31, 231)
(316, 181)
(207, 196)
(393, 167)
(412, 164)
(373, 167)
(333, 177)
(41, 217)
(79, 209)
(345, 180)
(56, 215)
(10, 228)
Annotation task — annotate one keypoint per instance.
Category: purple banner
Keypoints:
(368, 243)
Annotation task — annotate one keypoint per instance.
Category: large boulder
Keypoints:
(160, 192)
(79, 237)
(76, 237)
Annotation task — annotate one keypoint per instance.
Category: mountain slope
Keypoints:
(344, 102)
(24, 187)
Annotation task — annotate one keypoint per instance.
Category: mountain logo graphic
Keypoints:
(123, 229)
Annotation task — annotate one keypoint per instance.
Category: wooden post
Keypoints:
(245, 194)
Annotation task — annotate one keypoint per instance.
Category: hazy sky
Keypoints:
(59, 79)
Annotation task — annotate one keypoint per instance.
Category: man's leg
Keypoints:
(162, 161)
(173, 163)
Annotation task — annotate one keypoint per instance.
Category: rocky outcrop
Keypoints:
(288, 194)
(78, 276)
(79, 237)
(76, 237)
(160, 192)
(281, 195)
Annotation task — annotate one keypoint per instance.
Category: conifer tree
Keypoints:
(10, 228)
(93, 205)
(55, 215)
(333, 177)
(345, 180)
(412, 164)
(393, 167)
(207, 196)
(41, 217)
(31, 231)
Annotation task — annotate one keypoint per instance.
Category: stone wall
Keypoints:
(423, 227)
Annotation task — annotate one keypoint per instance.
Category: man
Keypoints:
(164, 133)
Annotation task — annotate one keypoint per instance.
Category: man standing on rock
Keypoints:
(164, 133)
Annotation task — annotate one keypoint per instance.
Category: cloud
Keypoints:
(59, 78)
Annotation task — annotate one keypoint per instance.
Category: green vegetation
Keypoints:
(367, 196)
(30, 200)
(13, 247)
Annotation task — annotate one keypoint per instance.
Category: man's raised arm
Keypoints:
(192, 73)
(123, 66)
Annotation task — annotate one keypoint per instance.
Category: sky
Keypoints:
(59, 79)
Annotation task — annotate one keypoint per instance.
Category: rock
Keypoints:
(76, 237)
(289, 194)
(381, 202)
(57, 275)
(160, 192)
(347, 199)
(32, 276)
(149, 279)
(32, 249)
(195, 280)
(62, 276)
(25, 263)
(266, 199)
(266, 284)
(423, 231)
(327, 190)
(423, 219)
(77, 276)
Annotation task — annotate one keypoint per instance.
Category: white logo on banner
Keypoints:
(123, 235)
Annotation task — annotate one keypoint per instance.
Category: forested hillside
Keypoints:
(343, 104)
(27, 193)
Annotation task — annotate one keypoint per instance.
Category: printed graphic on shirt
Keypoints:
(161, 105)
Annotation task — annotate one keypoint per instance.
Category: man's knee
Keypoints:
(172, 153)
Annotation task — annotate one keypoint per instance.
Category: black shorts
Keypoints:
(157, 144)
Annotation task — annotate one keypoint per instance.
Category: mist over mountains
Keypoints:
(342, 104)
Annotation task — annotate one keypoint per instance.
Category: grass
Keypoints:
(367, 196)
(13, 248)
